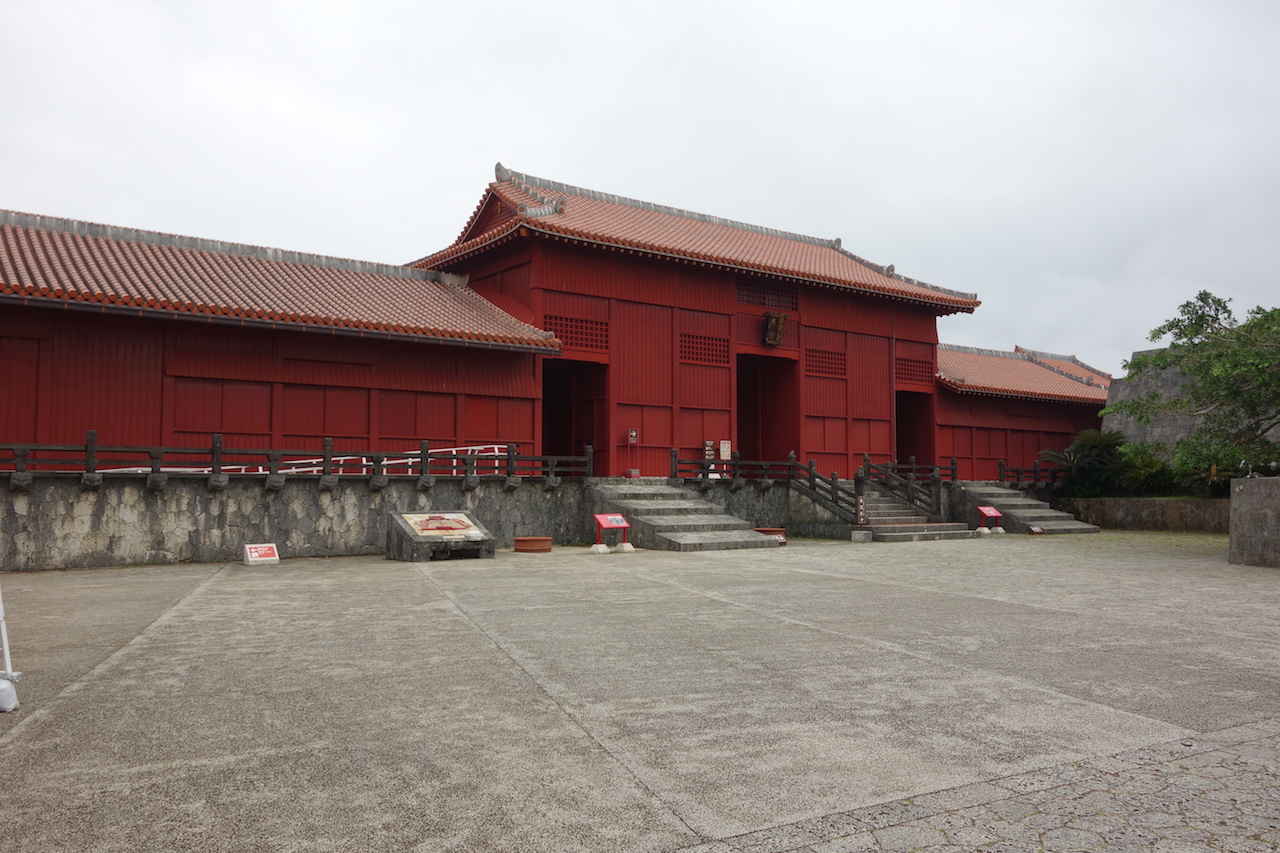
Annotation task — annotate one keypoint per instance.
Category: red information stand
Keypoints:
(610, 521)
(989, 513)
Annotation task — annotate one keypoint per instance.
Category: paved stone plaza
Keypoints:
(1109, 692)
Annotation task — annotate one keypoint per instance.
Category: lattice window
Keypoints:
(768, 294)
(584, 334)
(821, 362)
(702, 349)
(913, 370)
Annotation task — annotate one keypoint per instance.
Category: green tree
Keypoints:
(1232, 373)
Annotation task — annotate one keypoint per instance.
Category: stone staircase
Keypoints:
(892, 519)
(1021, 512)
(669, 518)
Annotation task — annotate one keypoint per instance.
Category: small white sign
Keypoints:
(257, 555)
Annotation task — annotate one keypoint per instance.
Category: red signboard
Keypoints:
(611, 521)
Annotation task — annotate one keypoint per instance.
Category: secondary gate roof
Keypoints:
(66, 263)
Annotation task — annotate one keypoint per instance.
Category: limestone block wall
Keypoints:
(1255, 522)
(56, 524)
(1201, 515)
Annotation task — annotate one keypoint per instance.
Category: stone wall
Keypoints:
(55, 524)
(1255, 522)
(1184, 515)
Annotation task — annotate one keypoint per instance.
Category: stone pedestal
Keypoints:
(418, 537)
(1255, 521)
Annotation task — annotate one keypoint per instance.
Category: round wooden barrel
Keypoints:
(778, 533)
(533, 544)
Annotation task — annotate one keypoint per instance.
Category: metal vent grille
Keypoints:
(701, 349)
(821, 362)
(584, 334)
(768, 295)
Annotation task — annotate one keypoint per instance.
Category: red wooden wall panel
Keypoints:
(160, 381)
(19, 396)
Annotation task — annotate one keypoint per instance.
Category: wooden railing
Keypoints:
(1035, 475)
(92, 461)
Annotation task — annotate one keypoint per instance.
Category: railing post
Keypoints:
(860, 481)
(813, 474)
(835, 487)
(791, 465)
(326, 467)
(91, 451)
(1036, 468)
(511, 460)
(675, 463)
(955, 470)
(1000, 469)
(736, 459)
(90, 479)
(935, 494)
(156, 480)
(424, 458)
(590, 461)
(217, 479)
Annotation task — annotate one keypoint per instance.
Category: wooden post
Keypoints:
(326, 467)
(511, 460)
(91, 451)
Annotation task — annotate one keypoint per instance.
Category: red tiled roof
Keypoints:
(47, 260)
(551, 208)
(1011, 374)
(1069, 364)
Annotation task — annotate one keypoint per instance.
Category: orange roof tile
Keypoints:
(555, 209)
(1012, 374)
(1069, 364)
(48, 260)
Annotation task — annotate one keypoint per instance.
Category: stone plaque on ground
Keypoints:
(421, 536)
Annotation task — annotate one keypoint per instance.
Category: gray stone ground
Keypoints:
(1117, 691)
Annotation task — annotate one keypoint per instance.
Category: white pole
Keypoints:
(4, 638)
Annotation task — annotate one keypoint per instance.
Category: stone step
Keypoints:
(1038, 515)
(874, 520)
(692, 521)
(717, 540)
(923, 536)
(640, 491)
(668, 507)
(1068, 525)
(919, 527)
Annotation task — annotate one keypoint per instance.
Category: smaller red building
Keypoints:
(157, 340)
(995, 405)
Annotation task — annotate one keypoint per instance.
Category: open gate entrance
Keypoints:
(914, 419)
(768, 407)
(573, 407)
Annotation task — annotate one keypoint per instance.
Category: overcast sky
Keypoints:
(1084, 167)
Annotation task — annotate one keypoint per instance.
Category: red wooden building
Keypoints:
(681, 327)
(688, 328)
(1009, 406)
(153, 339)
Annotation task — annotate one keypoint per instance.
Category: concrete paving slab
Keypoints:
(823, 696)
